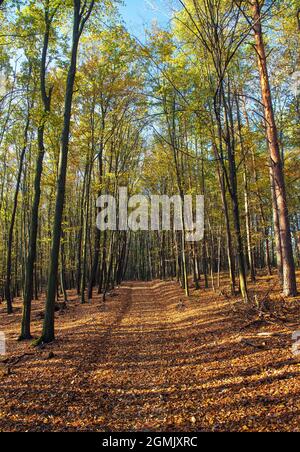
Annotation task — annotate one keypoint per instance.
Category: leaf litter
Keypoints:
(142, 364)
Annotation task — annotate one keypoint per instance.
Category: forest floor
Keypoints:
(150, 360)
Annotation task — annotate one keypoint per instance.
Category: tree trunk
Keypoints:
(246, 195)
(96, 256)
(233, 188)
(31, 258)
(86, 230)
(288, 264)
(277, 235)
(230, 254)
(8, 294)
(48, 334)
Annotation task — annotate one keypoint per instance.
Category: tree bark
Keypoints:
(233, 186)
(31, 258)
(48, 334)
(288, 264)
(86, 229)
(8, 294)
(246, 194)
(96, 255)
(230, 254)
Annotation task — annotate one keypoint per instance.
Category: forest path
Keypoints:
(170, 364)
(134, 369)
(153, 361)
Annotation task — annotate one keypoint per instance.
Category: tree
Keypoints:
(46, 93)
(81, 15)
(277, 174)
(8, 294)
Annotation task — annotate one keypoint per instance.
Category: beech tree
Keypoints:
(82, 13)
(45, 92)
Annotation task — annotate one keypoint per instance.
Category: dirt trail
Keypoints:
(151, 363)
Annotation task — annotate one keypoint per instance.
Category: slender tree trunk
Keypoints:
(246, 194)
(63, 281)
(230, 254)
(96, 256)
(276, 224)
(109, 282)
(219, 258)
(195, 267)
(172, 134)
(230, 144)
(103, 264)
(8, 294)
(86, 231)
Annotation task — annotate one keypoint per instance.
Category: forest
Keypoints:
(141, 329)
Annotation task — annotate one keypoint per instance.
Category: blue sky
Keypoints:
(139, 14)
